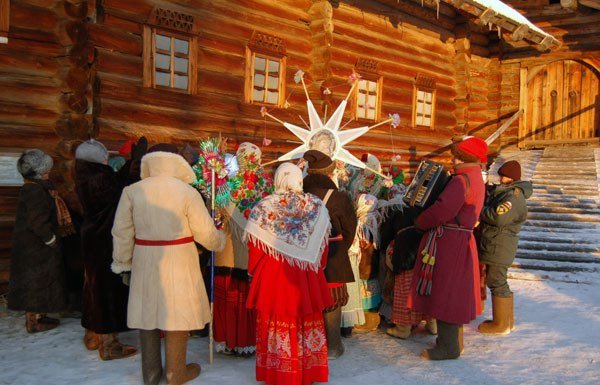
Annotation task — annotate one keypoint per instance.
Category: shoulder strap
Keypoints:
(326, 198)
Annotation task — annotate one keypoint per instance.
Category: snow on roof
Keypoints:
(508, 11)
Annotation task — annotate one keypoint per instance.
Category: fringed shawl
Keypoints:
(291, 226)
(369, 220)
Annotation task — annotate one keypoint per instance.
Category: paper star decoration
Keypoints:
(327, 138)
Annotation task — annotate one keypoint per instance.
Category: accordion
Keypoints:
(427, 184)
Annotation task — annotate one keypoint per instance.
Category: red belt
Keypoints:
(337, 238)
(180, 241)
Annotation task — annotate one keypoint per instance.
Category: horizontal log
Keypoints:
(114, 39)
(32, 17)
(117, 63)
(44, 49)
(18, 62)
(20, 113)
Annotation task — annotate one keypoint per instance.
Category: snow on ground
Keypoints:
(557, 341)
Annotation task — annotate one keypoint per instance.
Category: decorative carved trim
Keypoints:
(267, 43)
(422, 81)
(367, 65)
(175, 20)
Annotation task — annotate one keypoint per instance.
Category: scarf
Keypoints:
(369, 218)
(65, 224)
(394, 202)
(290, 225)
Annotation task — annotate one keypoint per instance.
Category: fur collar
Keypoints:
(166, 164)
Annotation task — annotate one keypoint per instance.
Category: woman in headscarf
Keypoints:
(287, 239)
(235, 325)
(37, 277)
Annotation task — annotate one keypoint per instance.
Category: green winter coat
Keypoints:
(500, 222)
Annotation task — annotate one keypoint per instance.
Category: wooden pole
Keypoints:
(212, 271)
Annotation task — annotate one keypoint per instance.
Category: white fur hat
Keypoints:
(92, 151)
(33, 164)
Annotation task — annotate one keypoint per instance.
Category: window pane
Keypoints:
(419, 120)
(163, 42)
(182, 46)
(259, 64)
(162, 79)
(273, 83)
(426, 121)
(273, 66)
(419, 108)
(259, 81)
(360, 113)
(427, 109)
(372, 101)
(361, 99)
(258, 95)
(372, 87)
(162, 61)
(428, 96)
(420, 95)
(362, 85)
(371, 114)
(181, 82)
(272, 97)
(181, 65)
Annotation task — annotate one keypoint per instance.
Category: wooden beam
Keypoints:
(591, 3)
(4, 20)
(569, 4)
(520, 32)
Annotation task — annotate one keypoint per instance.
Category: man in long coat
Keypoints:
(445, 283)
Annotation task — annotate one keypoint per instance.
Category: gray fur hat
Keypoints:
(33, 164)
(92, 151)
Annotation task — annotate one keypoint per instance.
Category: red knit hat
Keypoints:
(471, 149)
(511, 169)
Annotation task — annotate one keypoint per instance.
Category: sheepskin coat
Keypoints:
(166, 287)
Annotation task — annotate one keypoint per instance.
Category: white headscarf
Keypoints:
(290, 225)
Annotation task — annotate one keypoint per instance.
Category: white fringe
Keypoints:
(279, 256)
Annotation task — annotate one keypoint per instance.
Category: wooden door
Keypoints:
(562, 105)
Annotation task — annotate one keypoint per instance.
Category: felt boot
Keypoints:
(501, 312)
(431, 326)
(372, 320)
(175, 352)
(35, 322)
(399, 331)
(151, 357)
(111, 349)
(91, 340)
(447, 345)
(333, 321)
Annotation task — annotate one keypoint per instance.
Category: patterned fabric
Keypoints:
(65, 224)
(339, 294)
(370, 294)
(352, 312)
(292, 226)
(235, 325)
(291, 351)
(369, 219)
(402, 315)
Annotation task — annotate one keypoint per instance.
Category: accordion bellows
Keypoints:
(429, 181)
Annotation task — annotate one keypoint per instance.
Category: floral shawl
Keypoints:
(368, 222)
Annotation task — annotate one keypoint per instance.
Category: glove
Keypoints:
(126, 277)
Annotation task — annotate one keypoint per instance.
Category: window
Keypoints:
(170, 56)
(265, 70)
(367, 99)
(4, 20)
(424, 102)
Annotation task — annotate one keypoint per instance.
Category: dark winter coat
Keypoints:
(455, 296)
(37, 277)
(343, 221)
(406, 240)
(104, 294)
(501, 220)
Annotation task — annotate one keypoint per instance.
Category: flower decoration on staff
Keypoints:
(212, 158)
(395, 120)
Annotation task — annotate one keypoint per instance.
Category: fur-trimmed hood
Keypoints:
(166, 164)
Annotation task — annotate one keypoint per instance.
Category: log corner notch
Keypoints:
(75, 121)
(4, 20)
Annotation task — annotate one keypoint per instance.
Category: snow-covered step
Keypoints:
(561, 224)
(550, 255)
(575, 238)
(562, 217)
(562, 210)
(542, 244)
(529, 264)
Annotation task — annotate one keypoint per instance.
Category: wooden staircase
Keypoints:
(562, 231)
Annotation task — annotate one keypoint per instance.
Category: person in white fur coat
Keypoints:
(157, 222)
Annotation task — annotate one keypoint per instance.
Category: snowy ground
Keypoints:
(557, 341)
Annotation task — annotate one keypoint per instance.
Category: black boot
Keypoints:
(447, 346)
(333, 322)
(151, 357)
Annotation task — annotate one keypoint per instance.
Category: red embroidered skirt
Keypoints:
(235, 325)
(402, 315)
(291, 351)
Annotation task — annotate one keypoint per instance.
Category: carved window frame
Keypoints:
(4, 20)
(271, 49)
(424, 102)
(369, 86)
(174, 26)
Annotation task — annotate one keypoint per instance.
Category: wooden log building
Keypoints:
(182, 70)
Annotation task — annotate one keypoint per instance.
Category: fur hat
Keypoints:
(164, 147)
(33, 164)
(510, 169)
(92, 151)
(317, 160)
(470, 150)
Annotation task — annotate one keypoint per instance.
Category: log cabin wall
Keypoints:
(37, 83)
(577, 27)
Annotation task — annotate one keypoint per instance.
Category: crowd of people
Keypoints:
(303, 258)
